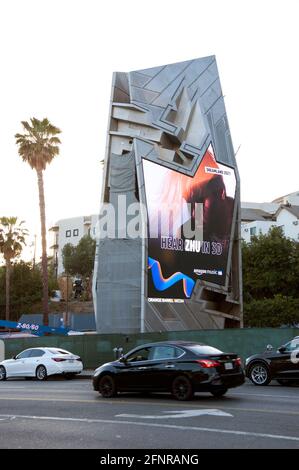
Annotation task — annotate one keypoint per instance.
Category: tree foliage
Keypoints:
(39, 144)
(12, 240)
(270, 280)
(26, 289)
(279, 311)
(79, 260)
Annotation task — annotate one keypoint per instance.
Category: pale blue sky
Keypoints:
(57, 59)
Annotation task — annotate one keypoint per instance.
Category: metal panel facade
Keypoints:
(172, 116)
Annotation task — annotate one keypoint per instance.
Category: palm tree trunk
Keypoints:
(44, 246)
(7, 290)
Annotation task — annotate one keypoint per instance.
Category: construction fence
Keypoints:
(96, 349)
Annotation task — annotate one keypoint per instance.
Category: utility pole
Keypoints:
(67, 300)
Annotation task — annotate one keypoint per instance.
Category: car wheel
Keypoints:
(219, 393)
(259, 374)
(2, 373)
(41, 373)
(107, 386)
(182, 388)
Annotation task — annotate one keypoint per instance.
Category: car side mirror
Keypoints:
(282, 349)
(122, 359)
(14, 357)
(269, 347)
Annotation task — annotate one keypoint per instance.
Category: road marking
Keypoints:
(263, 395)
(155, 425)
(32, 390)
(47, 399)
(143, 403)
(13, 388)
(87, 389)
(178, 414)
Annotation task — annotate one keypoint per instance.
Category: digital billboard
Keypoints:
(189, 225)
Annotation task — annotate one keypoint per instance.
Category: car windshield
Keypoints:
(292, 345)
(200, 350)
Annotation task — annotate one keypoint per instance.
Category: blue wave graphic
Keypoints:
(162, 284)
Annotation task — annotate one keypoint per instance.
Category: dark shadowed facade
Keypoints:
(169, 150)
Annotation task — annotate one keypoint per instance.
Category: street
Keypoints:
(69, 414)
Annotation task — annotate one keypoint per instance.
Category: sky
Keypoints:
(57, 58)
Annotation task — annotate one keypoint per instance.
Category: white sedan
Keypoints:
(40, 363)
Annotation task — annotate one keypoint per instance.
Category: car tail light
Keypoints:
(208, 363)
(58, 359)
(78, 359)
(238, 361)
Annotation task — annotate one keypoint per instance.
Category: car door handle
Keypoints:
(170, 366)
(141, 368)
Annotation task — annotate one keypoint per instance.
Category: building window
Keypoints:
(252, 231)
(75, 232)
(68, 233)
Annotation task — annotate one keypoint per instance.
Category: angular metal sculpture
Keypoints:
(169, 143)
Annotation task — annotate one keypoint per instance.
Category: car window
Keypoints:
(57, 351)
(139, 355)
(24, 354)
(203, 349)
(165, 352)
(292, 345)
(37, 353)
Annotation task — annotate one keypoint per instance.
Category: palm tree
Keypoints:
(12, 240)
(38, 146)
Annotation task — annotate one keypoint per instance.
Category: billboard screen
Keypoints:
(189, 226)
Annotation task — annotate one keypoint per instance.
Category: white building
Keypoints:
(258, 218)
(70, 231)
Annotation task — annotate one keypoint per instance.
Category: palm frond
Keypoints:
(40, 145)
(12, 237)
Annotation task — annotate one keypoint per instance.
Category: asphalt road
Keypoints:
(69, 414)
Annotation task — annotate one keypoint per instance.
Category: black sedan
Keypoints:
(281, 364)
(179, 367)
